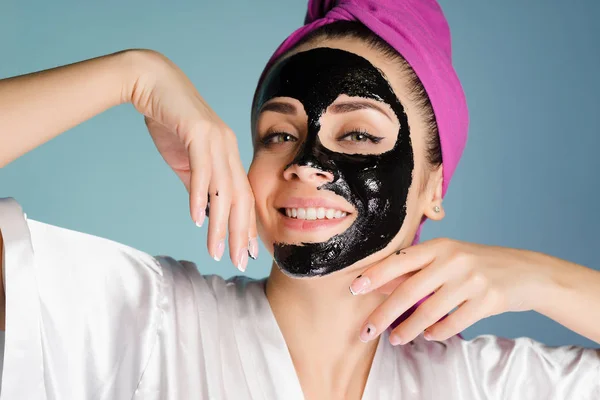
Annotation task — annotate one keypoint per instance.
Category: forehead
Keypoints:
(317, 76)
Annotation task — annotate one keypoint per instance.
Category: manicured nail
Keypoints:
(253, 248)
(427, 335)
(220, 250)
(395, 340)
(367, 333)
(360, 285)
(200, 219)
(242, 260)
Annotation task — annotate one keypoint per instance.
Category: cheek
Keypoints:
(416, 198)
(260, 179)
(413, 202)
(263, 181)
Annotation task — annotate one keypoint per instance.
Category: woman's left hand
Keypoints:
(480, 280)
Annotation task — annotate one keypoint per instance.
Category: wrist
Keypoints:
(558, 283)
(139, 68)
(571, 297)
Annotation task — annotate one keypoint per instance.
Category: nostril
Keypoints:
(307, 172)
(290, 174)
(326, 175)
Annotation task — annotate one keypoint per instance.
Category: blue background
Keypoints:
(528, 179)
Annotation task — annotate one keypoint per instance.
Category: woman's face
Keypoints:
(339, 159)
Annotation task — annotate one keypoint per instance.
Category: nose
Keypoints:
(307, 173)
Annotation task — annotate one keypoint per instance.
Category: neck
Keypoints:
(320, 320)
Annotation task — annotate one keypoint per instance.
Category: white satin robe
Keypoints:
(88, 318)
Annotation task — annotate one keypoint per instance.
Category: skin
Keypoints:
(490, 279)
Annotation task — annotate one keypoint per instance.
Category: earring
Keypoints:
(436, 209)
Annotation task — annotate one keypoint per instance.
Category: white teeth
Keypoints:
(314, 213)
(301, 213)
(330, 213)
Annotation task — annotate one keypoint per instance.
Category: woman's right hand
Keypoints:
(192, 139)
(200, 148)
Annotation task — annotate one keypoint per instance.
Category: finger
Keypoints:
(429, 312)
(389, 287)
(239, 219)
(401, 262)
(466, 315)
(199, 179)
(405, 296)
(253, 233)
(220, 190)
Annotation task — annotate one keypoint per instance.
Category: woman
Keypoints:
(354, 148)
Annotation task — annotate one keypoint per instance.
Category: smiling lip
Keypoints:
(315, 202)
(308, 225)
(315, 224)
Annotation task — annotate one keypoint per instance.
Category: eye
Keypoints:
(359, 136)
(277, 138)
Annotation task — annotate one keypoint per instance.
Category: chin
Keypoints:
(314, 274)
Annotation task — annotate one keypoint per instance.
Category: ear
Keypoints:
(433, 200)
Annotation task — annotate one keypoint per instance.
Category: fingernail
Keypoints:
(395, 340)
(427, 335)
(220, 250)
(200, 219)
(367, 333)
(242, 260)
(253, 248)
(359, 285)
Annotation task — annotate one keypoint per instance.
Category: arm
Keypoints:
(477, 281)
(571, 296)
(38, 107)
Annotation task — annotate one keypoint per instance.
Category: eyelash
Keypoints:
(266, 141)
(373, 139)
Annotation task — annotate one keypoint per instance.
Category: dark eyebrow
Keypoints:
(279, 107)
(349, 106)
(339, 108)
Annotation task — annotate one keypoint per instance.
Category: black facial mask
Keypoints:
(375, 184)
